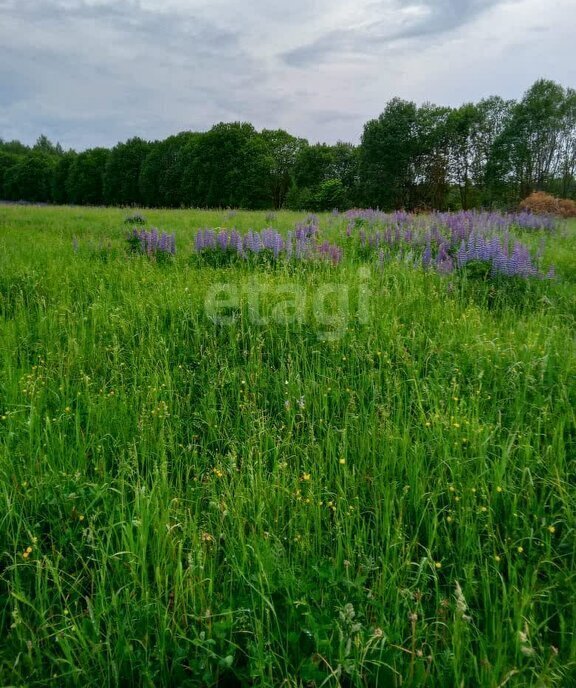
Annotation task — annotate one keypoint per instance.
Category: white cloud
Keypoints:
(92, 72)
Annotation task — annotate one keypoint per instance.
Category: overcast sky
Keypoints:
(93, 72)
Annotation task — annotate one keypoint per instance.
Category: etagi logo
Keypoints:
(328, 307)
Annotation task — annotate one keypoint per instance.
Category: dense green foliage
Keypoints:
(187, 503)
(122, 172)
(488, 154)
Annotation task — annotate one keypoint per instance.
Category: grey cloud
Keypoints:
(438, 17)
(316, 52)
(93, 72)
(445, 16)
(14, 87)
(173, 32)
(329, 116)
(116, 70)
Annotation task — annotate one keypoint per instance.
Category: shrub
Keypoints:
(136, 219)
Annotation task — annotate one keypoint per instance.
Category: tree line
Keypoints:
(487, 154)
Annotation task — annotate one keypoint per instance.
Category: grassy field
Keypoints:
(381, 497)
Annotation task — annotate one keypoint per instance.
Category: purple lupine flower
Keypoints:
(444, 261)
(427, 256)
(330, 251)
(301, 248)
(520, 262)
(289, 245)
(222, 240)
(450, 240)
(306, 230)
(152, 243)
(462, 255)
(205, 239)
(272, 241)
(496, 253)
(253, 242)
(298, 244)
(235, 242)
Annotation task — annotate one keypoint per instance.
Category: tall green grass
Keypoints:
(191, 504)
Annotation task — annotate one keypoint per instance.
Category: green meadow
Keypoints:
(379, 493)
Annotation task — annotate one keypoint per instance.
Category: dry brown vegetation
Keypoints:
(543, 203)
